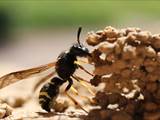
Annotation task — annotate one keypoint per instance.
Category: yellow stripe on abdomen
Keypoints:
(44, 94)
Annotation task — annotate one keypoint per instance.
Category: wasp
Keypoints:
(65, 67)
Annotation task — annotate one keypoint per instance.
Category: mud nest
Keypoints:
(127, 62)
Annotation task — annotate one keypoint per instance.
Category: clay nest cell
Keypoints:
(127, 62)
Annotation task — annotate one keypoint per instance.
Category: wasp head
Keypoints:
(79, 50)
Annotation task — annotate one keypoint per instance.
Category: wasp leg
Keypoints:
(82, 82)
(86, 62)
(82, 68)
(74, 90)
(42, 80)
(76, 102)
(69, 85)
(76, 93)
(80, 79)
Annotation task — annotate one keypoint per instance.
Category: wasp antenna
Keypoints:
(78, 34)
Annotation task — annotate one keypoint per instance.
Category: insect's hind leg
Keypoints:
(77, 93)
(73, 100)
(70, 84)
(76, 102)
(82, 82)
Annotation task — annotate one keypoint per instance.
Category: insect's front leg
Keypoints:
(82, 68)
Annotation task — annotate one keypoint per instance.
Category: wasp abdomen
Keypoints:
(49, 92)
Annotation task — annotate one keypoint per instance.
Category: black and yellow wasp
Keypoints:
(65, 67)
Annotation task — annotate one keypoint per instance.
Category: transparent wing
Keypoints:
(42, 80)
(19, 75)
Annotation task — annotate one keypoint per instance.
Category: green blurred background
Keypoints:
(71, 13)
(44, 28)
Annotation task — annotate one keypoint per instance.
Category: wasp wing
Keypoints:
(42, 80)
(19, 75)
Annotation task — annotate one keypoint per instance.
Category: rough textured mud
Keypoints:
(127, 61)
